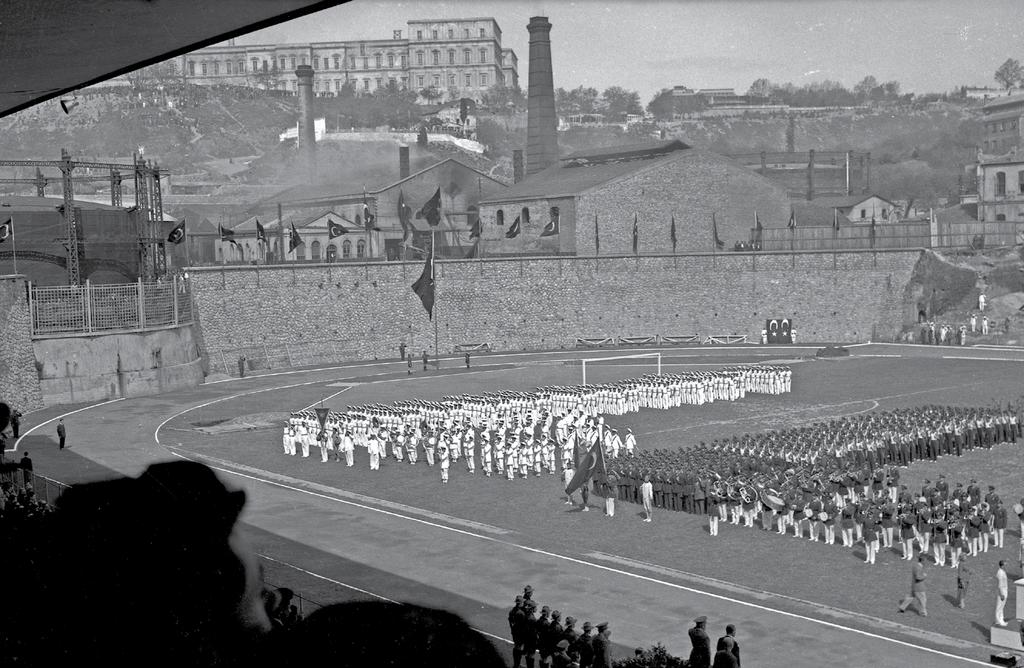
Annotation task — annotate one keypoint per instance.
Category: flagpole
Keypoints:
(433, 277)
(14, 246)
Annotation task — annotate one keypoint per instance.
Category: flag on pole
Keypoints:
(792, 220)
(321, 416)
(227, 235)
(261, 234)
(431, 211)
(592, 465)
(597, 237)
(335, 229)
(368, 218)
(176, 236)
(835, 220)
(758, 230)
(6, 229)
(476, 230)
(294, 240)
(424, 285)
(636, 236)
(872, 231)
(551, 229)
(514, 229)
(474, 251)
(672, 233)
(719, 244)
(404, 213)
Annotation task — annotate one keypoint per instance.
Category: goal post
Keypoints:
(598, 360)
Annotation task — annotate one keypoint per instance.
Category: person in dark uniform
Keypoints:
(425, 360)
(15, 422)
(584, 648)
(26, 468)
(700, 655)
(467, 360)
(529, 633)
(516, 617)
(724, 658)
(61, 432)
(401, 350)
(561, 658)
(543, 629)
(602, 647)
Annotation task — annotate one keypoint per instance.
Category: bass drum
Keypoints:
(772, 499)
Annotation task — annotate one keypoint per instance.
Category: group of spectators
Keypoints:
(558, 644)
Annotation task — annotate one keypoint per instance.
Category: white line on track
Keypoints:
(609, 569)
(156, 432)
(59, 417)
(981, 359)
(331, 396)
(361, 591)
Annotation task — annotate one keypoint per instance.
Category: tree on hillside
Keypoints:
(579, 100)
(618, 102)
(662, 105)
(864, 88)
(1009, 73)
(502, 99)
(761, 88)
(431, 94)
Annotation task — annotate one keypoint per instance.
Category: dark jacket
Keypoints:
(735, 648)
(700, 655)
(585, 648)
(725, 659)
(602, 652)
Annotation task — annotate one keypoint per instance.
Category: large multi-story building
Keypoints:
(462, 56)
(1003, 121)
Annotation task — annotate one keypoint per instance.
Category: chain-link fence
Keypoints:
(97, 308)
(242, 360)
(46, 489)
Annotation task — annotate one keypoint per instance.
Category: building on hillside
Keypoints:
(716, 97)
(1000, 188)
(987, 92)
(1003, 121)
(462, 54)
(596, 195)
(310, 208)
(852, 208)
(811, 174)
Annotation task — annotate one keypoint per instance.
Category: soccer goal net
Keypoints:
(653, 363)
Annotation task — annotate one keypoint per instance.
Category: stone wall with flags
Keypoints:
(366, 310)
(19, 380)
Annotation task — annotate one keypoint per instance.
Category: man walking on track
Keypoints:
(61, 432)
(917, 592)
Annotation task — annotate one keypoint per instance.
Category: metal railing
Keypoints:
(47, 490)
(99, 308)
(265, 356)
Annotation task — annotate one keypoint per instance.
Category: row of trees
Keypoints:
(1010, 74)
(614, 103)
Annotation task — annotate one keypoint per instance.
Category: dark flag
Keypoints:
(261, 234)
(368, 218)
(335, 229)
(404, 212)
(551, 229)
(294, 240)
(514, 229)
(636, 236)
(792, 220)
(672, 233)
(476, 230)
(872, 231)
(431, 211)
(591, 466)
(719, 244)
(758, 230)
(597, 237)
(474, 251)
(321, 416)
(7, 228)
(424, 285)
(176, 236)
(227, 235)
(835, 220)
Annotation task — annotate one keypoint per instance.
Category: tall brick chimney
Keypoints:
(541, 122)
(517, 165)
(307, 131)
(403, 161)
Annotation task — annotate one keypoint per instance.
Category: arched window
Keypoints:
(192, 68)
(316, 250)
(240, 67)
(316, 62)
(437, 57)
(467, 56)
(227, 67)
(419, 60)
(255, 64)
(346, 249)
(332, 252)
(360, 248)
(451, 56)
(500, 217)
(1000, 183)
(483, 55)
(204, 69)
(216, 67)
(526, 216)
(391, 60)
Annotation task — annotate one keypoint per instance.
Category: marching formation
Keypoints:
(843, 473)
(516, 433)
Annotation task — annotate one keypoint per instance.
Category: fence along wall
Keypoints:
(365, 311)
(95, 308)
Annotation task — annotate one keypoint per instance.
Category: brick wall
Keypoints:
(548, 302)
(19, 382)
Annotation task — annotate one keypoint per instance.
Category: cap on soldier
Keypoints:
(519, 599)
(701, 620)
(570, 620)
(545, 609)
(602, 626)
(587, 626)
(556, 615)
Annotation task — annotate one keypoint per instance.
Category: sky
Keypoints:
(926, 45)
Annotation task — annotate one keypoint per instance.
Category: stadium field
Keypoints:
(335, 533)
